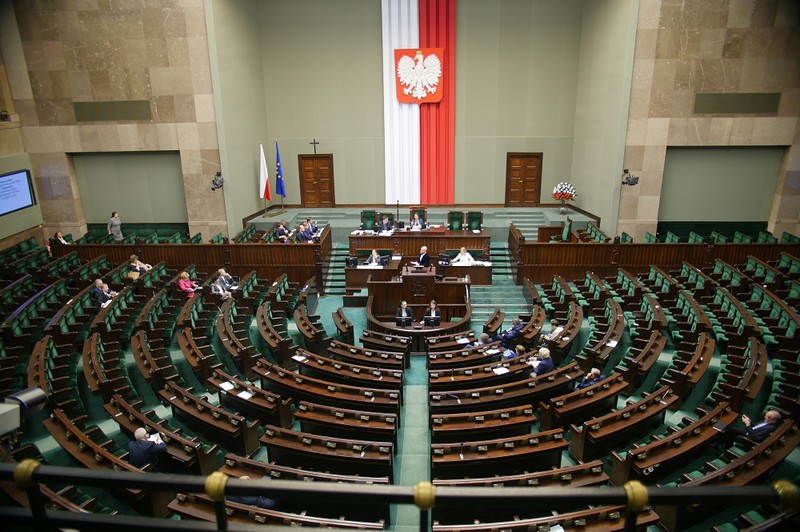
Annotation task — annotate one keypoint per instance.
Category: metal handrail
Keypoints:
(635, 496)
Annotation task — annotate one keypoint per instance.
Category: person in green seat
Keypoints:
(757, 433)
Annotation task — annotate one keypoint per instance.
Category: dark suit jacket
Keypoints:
(545, 366)
(585, 382)
(408, 309)
(142, 452)
(424, 260)
(254, 500)
(385, 226)
(99, 297)
(762, 433)
(433, 313)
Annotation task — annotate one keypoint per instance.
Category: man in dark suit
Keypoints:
(98, 295)
(593, 376)
(424, 258)
(404, 311)
(143, 451)
(253, 500)
(281, 233)
(510, 333)
(756, 433)
(385, 224)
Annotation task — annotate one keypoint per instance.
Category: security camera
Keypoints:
(628, 178)
(217, 181)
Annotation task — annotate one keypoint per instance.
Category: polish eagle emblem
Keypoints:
(418, 78)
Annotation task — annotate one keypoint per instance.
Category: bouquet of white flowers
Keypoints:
(564, 192)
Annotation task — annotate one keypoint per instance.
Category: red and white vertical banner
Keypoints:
(419, 100)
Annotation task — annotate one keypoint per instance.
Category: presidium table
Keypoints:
(407, 243)
(404, 247)
(418, 286)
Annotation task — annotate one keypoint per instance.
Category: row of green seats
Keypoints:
(15, 252)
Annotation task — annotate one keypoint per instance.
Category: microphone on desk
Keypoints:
(461, 453)
(364, 450)
(455, 397)
(451, 374)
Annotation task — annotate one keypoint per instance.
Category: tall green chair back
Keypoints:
(475, 220)
(368, 220)
(455, 220)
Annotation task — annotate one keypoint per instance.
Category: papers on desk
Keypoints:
(155, 438)
(244, 394)
(227, 386)
(477, 232)
(612, 343)
(369, 267)
(463, 341)
(534, 362)
(416, 229)
(397, 257)
(107, 303)
(390, 232)
(299, 358)
(492, 351)
(502, 370)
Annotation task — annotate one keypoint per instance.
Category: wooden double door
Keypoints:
(316, 180)
(523, 179)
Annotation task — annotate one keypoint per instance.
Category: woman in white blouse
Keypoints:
(464, 257)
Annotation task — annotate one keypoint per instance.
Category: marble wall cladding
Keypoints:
(88, 50)
(683, 48)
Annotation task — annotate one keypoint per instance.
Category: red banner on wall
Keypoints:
(418, 74)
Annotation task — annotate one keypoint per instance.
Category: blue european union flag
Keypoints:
(279, 187)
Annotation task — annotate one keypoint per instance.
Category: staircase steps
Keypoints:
(333, 270)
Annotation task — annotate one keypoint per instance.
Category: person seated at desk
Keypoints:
(253, 500)
(404, 311)
(482, 340)
(137, 267)
(374, 258)
(97, 294)
(311, 225)
(416, 222)
(227, 280)
(108, 292)
(424, 259)
(281, 233)
(385, 224)
(303, 234)
(463, 257)
(555, 332)
(186, 285)
(593, 376)
(218, 288)
(58, 240)
(756, 433)
(145, 449)
(517, 352)
(510, 333)
(545, 364)
(432, 312)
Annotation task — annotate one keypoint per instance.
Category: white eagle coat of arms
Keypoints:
(418, 78)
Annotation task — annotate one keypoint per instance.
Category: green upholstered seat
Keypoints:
(474, 220)
(455, 220)
(368, 219)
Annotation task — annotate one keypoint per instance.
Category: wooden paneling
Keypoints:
(299, 261)
(540, 262)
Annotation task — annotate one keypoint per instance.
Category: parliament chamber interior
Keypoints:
(326, 300)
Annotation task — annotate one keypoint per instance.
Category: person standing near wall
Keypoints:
(115, 227)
